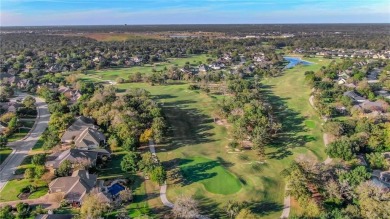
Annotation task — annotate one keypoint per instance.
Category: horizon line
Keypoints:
(181, 24)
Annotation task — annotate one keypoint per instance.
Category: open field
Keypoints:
(112, 74)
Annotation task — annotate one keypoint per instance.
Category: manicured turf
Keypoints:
(112, 74)
(4, 154)
(12, 189)
(310, 124)
(211, 174)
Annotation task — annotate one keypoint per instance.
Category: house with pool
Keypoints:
(75, 187)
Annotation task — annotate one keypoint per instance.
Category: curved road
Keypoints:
(22, 147)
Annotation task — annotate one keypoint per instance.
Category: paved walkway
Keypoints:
(286, 206)
(163, 188)
(23, 146)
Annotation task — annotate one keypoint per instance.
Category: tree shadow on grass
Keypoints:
(293, 125)
(188, 126)
(264, 208)
(198, 172)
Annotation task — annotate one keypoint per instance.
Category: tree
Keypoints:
(13, 124)
(232, 208)
(29, 102)
(158, 174)
(29, 173)
(343, 148)
(6, 117)
(129, 162)
(126, 195)
(373, 201)
(185, 207)
(130, 144)
(147, 162)
(146, 135)
(246, 214)
(93, 206)
(356, 176)
(39, 171)
(334, 128)
(64, 168)
(377, 161)
(23, 210)
(6, 212)
(38, 159)
(3, 141)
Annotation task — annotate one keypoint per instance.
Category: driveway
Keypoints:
(23, 146)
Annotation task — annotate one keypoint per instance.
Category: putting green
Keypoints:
(215, 178)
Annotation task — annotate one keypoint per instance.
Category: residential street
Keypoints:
(22, 147)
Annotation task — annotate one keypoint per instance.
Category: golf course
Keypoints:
(197, 156)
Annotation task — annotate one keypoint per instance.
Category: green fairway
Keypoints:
(112, 74)
(211, 174)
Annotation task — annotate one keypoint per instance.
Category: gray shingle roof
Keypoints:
(73, 155)
(74, 187)
(77, 128)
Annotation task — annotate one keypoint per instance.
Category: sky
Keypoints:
(101, 12)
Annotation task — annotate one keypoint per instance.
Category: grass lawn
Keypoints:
(38, 147)
(11, 191)
(211, 174)
(113, 169)
(112, 74)
(19, 134)
(26, 163)
(4, 154)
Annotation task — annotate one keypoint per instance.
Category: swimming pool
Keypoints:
(115, 189)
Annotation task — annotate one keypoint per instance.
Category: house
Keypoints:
(370, 106)
(54, 216)
(203, 68)
(354, 96)
(73, 155)
(71, 94)
(84, 134)
(74, 187)
(385, 176)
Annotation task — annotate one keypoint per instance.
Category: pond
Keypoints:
(293, 61)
